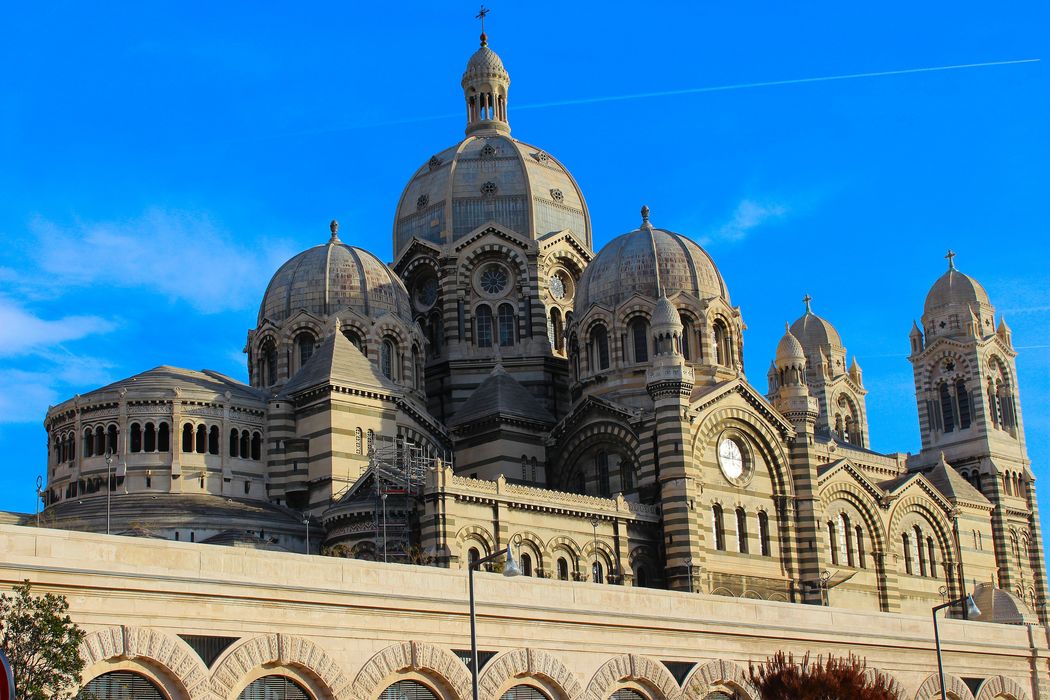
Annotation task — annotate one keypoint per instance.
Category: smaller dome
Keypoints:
(955, 289)
(812, 331)
(666, 316)
(789, 350)
(485, 61)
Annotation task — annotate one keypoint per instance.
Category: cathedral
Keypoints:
(503, 383)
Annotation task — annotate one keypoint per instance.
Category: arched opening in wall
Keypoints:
(947, 410)
(601, 470)
(136, 438)
(202, 439)
(718, 527)
(920, 554)
(526, 565)
(932, 553)
(833, 542)
(213, 440)
(846, 552)
(163, 438)
(628, 694)
(408, 690)
(763, 533)
(723, 344)
(860, 547)
(435, 333)
(274, 687)
(305, 343)
(121, 685)
(417, 369)
(483, 326)
(906, 544)
(355, 338)
(741, 531)
(507, 325)
(111, 438)
(473, 557)
(89, 443)
(574, 357)
(256, 446)
(639, 332)
(641, 577)
(563, 569)
(962, 395)
(245, 444)
(524, 692)
(718, 695)
(359, 441)
(557, 330)
(187, 437)
(100, 440)
(149, 441)
(688, 330)
(597, 572)
(269, 359)
(235, 443)
(600, 348)
(387, 358)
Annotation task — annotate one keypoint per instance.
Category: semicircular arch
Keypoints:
(513, 666)
(1001, 687)
(440, 667)
(718, 674)
(953, 685)
(234, 669)
(164, 654)
(650, 674)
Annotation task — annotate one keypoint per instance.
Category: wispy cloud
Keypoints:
(26, 395)
(749, 215)
(23, 332)
(178, 255)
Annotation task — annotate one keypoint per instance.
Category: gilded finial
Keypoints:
(950, 257)
(806, 299)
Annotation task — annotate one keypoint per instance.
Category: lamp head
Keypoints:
(971, 608)
(511, 569)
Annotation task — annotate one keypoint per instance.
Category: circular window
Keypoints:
(426, 292)
(493, 279)
(487, 151)
(733, 460)
(557, 195)
(557, 286)
(560, 285)
(422, 201)
(489, 189)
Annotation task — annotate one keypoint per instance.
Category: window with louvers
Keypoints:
(274, 688)
(121, 685)
(523, 692)
(408, 690)
(627, 694)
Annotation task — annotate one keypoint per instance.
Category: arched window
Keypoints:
(187, 437)
(687, 338)
(641, 577)
(526, 565)
(246, 449)
(354, 338)
(387, 358)
(256, 446)
(405, 690)
(846, 552)
(150, 438)
(483, 324)
(860, 546)
(723, 346)
(597, 572)
(524, 692)
(473, 557)
(627, 694)
(626, 475)
(600, 341)
(213, 440)
(557, 330)
(933, 561)
(963, 397)
(601, 470)
(100, 440)
(524, 468)
(833, 542)
(563, 569)
(906, 543)
(920, 554)
(763, 533)
(136, 437)
(202, 438)
(121, 685)
(359, 441)
(235, 440)
(305, 342)
(274, 687)
(718, 527)
(417, 369)
(506, 325)
(270, 360)
(111, 438)
(947, 412)
(163, 438)
(741, 531)
(640, 339)
(371, 440)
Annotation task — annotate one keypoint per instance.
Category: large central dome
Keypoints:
(489, 176)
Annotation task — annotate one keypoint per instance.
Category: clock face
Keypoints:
(730, 459)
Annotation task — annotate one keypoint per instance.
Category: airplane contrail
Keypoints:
(773, 83)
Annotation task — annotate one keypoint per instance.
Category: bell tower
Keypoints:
(966, 393)
(485, 85)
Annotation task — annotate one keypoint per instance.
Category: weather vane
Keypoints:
(481, 15)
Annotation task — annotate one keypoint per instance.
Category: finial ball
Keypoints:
(645, 213)
(334, 227)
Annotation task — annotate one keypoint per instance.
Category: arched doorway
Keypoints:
(524, 692)
(121, 685)
(274, 688)
(408, 690)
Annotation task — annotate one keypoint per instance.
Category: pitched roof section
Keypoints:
(501, 394)
(166, 376)
(950, 482)
(338, 361)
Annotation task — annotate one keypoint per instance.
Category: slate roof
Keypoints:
(167, 377)
(501, 394)
(952, 485)
(338, 361)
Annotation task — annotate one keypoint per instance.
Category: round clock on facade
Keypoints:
(731, 459)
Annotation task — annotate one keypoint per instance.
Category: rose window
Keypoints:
(494, 279)
(424, 199)
(557, 287)
(426, 292)
(489, 189)
(557, 195)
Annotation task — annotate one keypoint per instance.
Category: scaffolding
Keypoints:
(399, 468)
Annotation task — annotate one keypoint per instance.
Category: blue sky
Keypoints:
(158, 161)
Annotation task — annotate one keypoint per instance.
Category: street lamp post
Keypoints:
(109, 484)
(969, 610)
(509, 570)
(306, 522)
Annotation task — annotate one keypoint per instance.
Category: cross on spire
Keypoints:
(481, 15)
(806, 299)
(950, 257)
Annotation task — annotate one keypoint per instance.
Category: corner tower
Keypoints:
(966, 393)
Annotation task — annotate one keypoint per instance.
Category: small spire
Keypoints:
(787, 327)
(334, 228)
(481, 15)
(645, 217)
(806, 299)
(950, 257)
